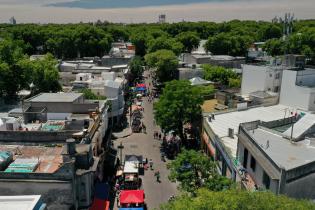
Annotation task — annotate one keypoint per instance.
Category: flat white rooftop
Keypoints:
(282, 151)
(24, 202)
(55, 97)
(224, 121)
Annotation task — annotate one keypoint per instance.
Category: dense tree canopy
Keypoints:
(229, 44)
(17, 72)
(165, 62)
(190, 40)
(194, 170)
(220, 74)
(136, 67)
(86, 39)
(236, 200)
(166, 43)
(179, 104)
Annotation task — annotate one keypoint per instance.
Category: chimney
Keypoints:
(71, 146)
(231, 133)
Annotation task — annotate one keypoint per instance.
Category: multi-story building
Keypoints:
(298, 88)
(108, 85)
(40, 158)
(265, 78)
(270, 159)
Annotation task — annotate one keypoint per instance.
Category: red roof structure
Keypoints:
(131, 196)
(141, 85)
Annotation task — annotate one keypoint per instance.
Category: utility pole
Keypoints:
(120, 147)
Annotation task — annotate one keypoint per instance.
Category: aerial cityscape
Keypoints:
(157, 105)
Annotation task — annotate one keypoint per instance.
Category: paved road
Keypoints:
(144, 144)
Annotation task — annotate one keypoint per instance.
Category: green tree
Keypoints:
(88, 94)
(140, 39)
(11, 75)
(205, 90)
(274, 47)
(219, 74)
(270, 32)
(190, 40)
(236, 200)
(7, 87)
(45, 75)
(194, 170)
(119, 34)
(179, 104)
(234, 82)
(136, 67)
(165, 62)
(228, 44)
(166, 43)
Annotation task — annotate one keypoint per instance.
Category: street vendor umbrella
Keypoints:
(140, 88)
(141, 85)
(139, 95)
(131, 196)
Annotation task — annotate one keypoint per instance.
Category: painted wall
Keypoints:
(260, 78)
(257, 175)
(296, 96)
(298, 189)
(253, 79)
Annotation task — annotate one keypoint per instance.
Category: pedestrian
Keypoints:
(157, 175)
(151, 164)
(160, 136)
(144, 128)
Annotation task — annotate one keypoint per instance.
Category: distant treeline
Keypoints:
(231, 38)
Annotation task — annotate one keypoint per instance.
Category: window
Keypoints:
(245, 158)
(253, 163)
(276, 90)
(80, 78)
(266, 180)
(277, 75)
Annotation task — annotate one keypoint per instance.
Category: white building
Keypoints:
(257, 141)
(298, 89)
(107, 85)
(261, 78)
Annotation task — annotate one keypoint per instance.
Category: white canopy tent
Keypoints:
(199, 81)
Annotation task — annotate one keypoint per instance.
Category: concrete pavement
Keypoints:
(144, 144)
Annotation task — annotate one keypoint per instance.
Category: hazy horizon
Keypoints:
(37, 11)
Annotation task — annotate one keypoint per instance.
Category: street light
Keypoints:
(120, 147)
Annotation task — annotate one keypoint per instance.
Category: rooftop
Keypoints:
(282, 151)
(224, 121)
(55, 97)
(47, 159)
(24, 202)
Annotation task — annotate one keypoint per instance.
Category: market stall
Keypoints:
(132, 198)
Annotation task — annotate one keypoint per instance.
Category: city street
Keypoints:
(145, 145)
